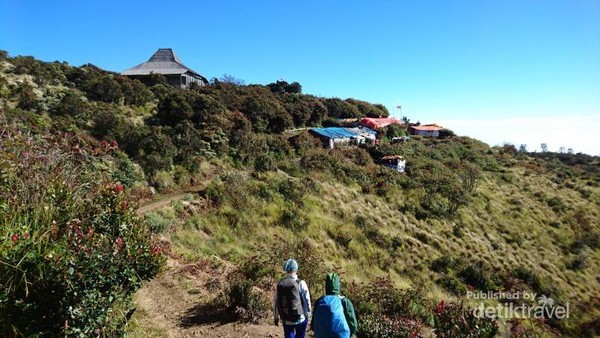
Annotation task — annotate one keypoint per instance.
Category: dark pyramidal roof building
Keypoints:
(166, 62)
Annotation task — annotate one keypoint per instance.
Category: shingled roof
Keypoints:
(164, 61)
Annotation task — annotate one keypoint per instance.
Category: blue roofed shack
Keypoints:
(332, 136)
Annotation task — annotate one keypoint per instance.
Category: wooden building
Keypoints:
(166, 62)
(426, 130)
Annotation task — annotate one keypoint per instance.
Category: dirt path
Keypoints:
(180, 302)
(165, 200)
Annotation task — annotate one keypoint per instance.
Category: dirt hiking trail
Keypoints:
(180, 301)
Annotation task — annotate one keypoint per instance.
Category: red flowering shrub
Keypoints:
(453, 320)
(72, 250)
(386, 311)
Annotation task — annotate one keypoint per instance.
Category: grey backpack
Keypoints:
(289, 303)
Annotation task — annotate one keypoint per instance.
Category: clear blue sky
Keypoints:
(473, 66)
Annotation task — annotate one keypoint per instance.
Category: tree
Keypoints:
(226, 78)
(157, 79)
(369, 109)
(319, 112)
(27, 98)
(266, 114)
(299, 108)
(282, 87)
(135, 92)
(103, 88)
(71, 104)
(174, 109)
(394, 130)
(156, 152)
(338, 108)
(446, 133)
(544, 147)
(523, 148)
(293, 88)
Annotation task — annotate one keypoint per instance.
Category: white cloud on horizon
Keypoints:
(581, 133)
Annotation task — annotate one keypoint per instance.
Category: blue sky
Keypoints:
(525, 71)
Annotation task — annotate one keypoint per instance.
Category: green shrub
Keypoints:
(480, 275)
(70, 104)
(453, 320)
(537, 283)
(294, 219)
(303, 142)
(452, 284)
(74, 250)
(385, 311)
(156, 222)
(27, 98)
(248, 303)
(162, 181)
(264, 162)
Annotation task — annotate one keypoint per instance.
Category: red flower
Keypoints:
(118, 188)
(26, 235)
(470, 287)
(440, 307)
(90, 232)
(14, 238)
(156, 250)
(114, 145)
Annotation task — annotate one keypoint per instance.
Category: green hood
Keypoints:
(332, 284)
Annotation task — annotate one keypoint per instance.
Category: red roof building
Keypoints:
(426, 130)
(376, 123)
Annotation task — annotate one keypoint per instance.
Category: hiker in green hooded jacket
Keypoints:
(333, 287)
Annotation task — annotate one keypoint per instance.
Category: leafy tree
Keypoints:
(299, 108)
(339, 108)
(134, 91)
(544, 147)
(226, 78)
(103, 88)
(282, 87)
(107, 121)
(293, 88)
(523, 148)
(190, 143)
(319, 112)
(156, 151)
(445, 133)
(210, 113)
(27, 98)
(174, 108)
(157, 79)
(368, 109)
(71, 104)
(393, 130)
(266, 115)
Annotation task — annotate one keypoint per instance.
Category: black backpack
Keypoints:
(289, 302)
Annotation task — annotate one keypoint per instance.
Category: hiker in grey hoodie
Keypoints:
(292, 302)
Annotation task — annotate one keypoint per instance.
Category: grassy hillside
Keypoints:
(464, 218)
